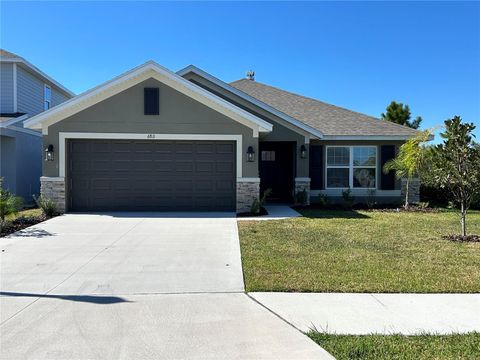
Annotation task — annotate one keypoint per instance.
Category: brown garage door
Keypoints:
(143, 175)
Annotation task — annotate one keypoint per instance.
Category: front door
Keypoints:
(277, 169)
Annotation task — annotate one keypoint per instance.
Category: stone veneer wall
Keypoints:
(302, 184)
(54, 189)
(247, 192)
(413, 190)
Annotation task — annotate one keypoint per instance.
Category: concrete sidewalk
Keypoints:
(361, 314)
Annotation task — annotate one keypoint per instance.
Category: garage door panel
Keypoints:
(138, 175)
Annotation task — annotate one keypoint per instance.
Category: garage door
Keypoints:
(142, 175)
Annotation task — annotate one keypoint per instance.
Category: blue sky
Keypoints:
(358, 55)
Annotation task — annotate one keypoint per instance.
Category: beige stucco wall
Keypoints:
(123, 113)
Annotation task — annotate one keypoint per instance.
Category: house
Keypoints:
(152, 139)
(24, 91)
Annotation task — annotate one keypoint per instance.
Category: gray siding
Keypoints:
(179, 114)
(7, 163)
(57, 97)
(6, 88)
(29, 92)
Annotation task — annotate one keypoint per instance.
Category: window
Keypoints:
(351, 167)
(268, 155)
(47, 97)
(151, 101)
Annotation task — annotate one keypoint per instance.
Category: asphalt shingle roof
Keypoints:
(326, 118)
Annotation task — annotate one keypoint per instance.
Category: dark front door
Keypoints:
(277, 169)
(144, 175)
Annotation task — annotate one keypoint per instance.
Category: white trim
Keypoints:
(260, 104)
(52, 178)
(355, 192)
(15, 103)
(350, 167)
(62, 136)
(38, 71)
(23, 130)
(137, 75)
(303, 179)
(368, 137)
(4, 124)
(248, 179)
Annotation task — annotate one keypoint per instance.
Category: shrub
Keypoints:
(348, 198)
(301, 197)
(371, 199)
(258, 203)
(47, 205)
(323, 200)
(9, 204)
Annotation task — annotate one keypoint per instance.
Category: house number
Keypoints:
(151, 136)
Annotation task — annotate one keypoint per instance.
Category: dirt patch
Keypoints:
(262, 212)
(461, 238)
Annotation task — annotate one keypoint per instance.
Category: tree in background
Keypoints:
(455, 165)
(400, 114)
(409, 160)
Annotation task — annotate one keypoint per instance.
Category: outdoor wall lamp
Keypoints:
(303, 152)
(49, 153)
(250, 154)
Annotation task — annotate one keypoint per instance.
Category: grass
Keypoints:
(349, 251)
(378, 347)
(26, 212)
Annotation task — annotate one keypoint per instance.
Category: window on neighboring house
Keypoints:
(351, 166)
(47, 97)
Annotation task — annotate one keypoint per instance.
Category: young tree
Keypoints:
(400, 114)
(409, 160)
(455, 165)
(9, 204)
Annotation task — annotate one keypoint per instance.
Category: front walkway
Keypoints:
(362, 314)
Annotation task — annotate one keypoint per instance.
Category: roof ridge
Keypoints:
(368, 117)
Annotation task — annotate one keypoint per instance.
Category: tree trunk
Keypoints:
(463, 214)
(406, 193)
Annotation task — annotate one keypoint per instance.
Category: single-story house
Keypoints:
(155, 140)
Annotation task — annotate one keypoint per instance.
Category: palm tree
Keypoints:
(409, 159)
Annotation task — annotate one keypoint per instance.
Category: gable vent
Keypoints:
(151, 101)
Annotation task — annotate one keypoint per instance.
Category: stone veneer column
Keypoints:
(248, 189)
(413, 190)
(53, 188)
(301, 184)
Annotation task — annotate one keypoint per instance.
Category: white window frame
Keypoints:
(351, 167)
(45, 100)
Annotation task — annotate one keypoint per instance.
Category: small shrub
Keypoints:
(301, 197)
(348, 198)
(9, 204)
(258, 203)
(322, 200)
(371, 199)
(47, 205)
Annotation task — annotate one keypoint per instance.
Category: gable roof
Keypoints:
(333, 121)
(9, 57)
(150, 69)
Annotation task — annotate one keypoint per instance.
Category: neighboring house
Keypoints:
(24, 91)
(152, 139)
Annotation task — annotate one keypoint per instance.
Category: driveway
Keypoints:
(123, 286)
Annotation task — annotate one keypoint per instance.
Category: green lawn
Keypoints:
(345, 251)
(389, 347)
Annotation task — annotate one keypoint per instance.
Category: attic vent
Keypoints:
(151, 101)
(251, 75)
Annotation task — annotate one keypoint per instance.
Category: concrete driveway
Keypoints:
(124, 286)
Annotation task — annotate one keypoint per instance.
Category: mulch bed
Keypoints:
(377, 208)
(20, 223)
(461, 238)
(262, 212)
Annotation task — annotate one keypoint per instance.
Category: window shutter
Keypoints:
(387, 181)
(151, 101)
(316, 167)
